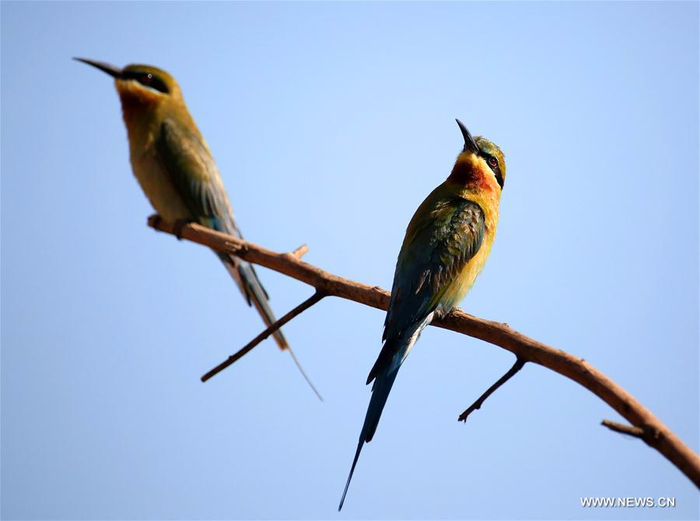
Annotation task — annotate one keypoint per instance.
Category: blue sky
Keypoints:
(330, 123)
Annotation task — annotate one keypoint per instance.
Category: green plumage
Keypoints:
(177, 172)
(445, 247)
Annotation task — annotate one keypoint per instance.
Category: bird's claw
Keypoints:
(179, 225)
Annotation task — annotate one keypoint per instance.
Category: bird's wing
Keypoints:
(444, 235)
(193, 173)
(191, 168)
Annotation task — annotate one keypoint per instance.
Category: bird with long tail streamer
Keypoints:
(177, 172)
(446, 245)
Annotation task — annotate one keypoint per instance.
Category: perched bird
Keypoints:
(176, 170)
(445, 247)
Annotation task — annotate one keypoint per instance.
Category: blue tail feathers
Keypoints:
(254, 292)
(380, 392)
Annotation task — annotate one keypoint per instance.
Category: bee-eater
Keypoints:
(445, 247)
(176, 170)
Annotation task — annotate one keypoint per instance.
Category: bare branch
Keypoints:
(622, 428)
(517, 366)
(646, 433)
(528, 349)
(313, 299)
(300, 251)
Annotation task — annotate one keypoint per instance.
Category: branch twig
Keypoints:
(300, 251)
(313, 299)
(517, 366)
(624, 429)
(647, 433)
(528, 349)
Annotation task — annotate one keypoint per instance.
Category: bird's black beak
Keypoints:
(469, 143)
(113, 71)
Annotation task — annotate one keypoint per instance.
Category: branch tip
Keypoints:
(154, 221)
(300, 251)
(316, 297)
(517, 366)
(646, 433)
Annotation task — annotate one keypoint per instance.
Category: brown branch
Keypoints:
(517, 366)
(313, 299)
(528, 349)
(646, 434)
(300, 251)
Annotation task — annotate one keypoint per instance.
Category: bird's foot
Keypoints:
(179, 225)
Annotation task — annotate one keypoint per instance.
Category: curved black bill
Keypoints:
(113, 71)
(469, 143)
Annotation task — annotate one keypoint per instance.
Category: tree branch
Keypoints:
(637, 432)
(300, 251)
(266, 333)
(525, 348)
(517, 366)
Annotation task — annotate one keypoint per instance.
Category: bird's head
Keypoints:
(480, 165)
(141, 87)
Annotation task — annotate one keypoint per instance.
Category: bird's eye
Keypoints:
(493, 161)
(147, 79)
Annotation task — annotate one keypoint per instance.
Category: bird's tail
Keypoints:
(254, 292)
(384, 374)
(380, 393)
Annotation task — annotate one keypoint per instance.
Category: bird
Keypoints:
(176, 170)
(445, 247)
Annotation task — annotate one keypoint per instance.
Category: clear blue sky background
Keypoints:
(330, 123)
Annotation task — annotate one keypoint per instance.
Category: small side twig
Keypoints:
(517, 366)
(624, 429)
(647, 434)
(266, 333)
(300, 251)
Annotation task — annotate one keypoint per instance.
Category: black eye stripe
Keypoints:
(499, 177)
(148, 79)
(492, 161)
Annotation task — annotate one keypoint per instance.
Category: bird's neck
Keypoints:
(142, 125)
(472, 179)
(144, 119)
(473, 174)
